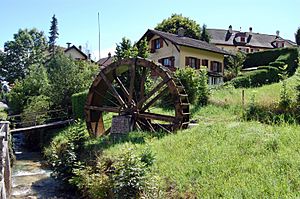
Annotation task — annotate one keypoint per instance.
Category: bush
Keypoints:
(251, 79)
(78, 103)
(63, 153)
(263, 75)
(190, 80)
(123, 176)
(281, 55)
(3, 115)
(203, 92)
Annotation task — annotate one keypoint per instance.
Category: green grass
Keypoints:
(265, 95)
(227, 158)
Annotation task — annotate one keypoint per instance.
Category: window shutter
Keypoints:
(198, 64)
(187, 61)
(160, 61)
(161, 42)
(172, 61)
(221, 68)
(152, 46)
(211, 65)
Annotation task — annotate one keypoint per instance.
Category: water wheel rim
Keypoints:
(107, 77)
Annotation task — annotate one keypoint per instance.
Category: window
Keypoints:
(243, 39)
(246, 50)
(192, 62)
(156, 44)
(216, 66)
(280, 44)
(168, 61)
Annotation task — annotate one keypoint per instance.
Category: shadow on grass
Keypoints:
(135, 137)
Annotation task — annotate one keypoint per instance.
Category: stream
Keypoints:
(30, 178)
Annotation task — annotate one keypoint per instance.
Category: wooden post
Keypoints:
(243, 98)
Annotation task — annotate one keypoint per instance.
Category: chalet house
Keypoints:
(175, 51)
(232, 40)
(76, 53)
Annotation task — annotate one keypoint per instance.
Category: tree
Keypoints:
(125, 49)
(34, 84)
(204, 34)
(67, 77)
(235, 64)
(143, 48)
(176, 21)
(297, 36)
(28, 47)
(53, 35)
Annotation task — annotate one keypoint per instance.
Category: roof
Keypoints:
(185, 41)
(74, 47)
(223, 37)
(105, 61)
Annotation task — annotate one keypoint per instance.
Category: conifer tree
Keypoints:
(53, 35)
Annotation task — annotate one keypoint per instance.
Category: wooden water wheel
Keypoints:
(138, 88)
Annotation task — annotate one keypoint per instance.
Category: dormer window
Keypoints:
(242, 39)
(280, 44)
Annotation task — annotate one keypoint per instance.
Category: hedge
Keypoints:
(78, 102)
(263, 75)
(274, 58)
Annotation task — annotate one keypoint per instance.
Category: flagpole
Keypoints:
(99, 34)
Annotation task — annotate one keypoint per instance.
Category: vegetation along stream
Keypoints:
(30, 177)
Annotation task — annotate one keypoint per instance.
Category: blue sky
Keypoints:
(77, 19)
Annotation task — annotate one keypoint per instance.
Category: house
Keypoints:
(76, 53)
(176, 50)
(103, 62)
(233, 40)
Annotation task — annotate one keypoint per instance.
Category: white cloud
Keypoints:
(103, 53)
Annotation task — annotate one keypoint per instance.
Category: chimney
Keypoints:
(230, 29)
(80, 47)
(89, 56)
(69, 44)
(277, 33)
(109, 54)
(180, 32)
(250, 30)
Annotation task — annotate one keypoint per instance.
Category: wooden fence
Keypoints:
(5, 168)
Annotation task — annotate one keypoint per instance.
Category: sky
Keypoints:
(78, 19)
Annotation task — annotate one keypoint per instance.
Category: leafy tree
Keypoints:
(125, 49)
(27, 48)
(68, 77)
(203, 91)
(235, 64)
(297, 36)
(143, 48)
(53, 35)
(204, 34)
(176, 21)
(34, 84)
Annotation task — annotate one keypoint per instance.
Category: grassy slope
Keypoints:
(227, 157)
(264, 95)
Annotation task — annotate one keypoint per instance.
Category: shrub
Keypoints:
(251, 79)
(264, 58)
(78, 103)
(124, 176)
(203, 92)
(3, 115)
(190, 80)
(63, 153)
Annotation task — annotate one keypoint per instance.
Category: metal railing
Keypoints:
(5, 168)
(38, 118)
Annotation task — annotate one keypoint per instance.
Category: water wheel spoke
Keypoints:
(119, 82)
(98, 93)
(143, 81)
(113, 90)
(131, 86)
(107, 131)
(153, 91)
(104, 109)
(152, 101)
(156, 116)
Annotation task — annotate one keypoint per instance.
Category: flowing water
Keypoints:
(30, 178)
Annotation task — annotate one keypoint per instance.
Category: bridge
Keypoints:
(39, 120)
